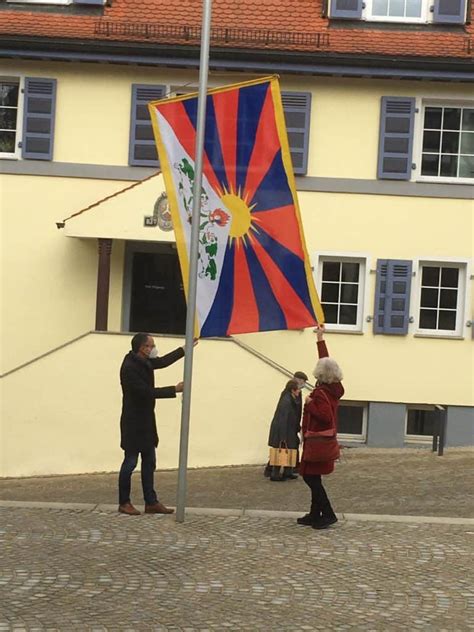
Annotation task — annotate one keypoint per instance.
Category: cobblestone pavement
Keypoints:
(78, 570)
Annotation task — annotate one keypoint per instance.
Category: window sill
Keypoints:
(9, 157)
(428, 180)
(351, 438)
(356, 332)
(424, 27)
(442, 336)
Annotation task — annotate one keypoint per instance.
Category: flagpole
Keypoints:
(193, 262)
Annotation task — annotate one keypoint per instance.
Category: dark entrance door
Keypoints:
(157, 297)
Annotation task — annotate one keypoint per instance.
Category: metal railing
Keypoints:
(223, 35)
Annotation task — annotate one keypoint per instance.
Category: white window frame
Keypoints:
(19, 127)
(425, 18)
(41, 1)
(412, 438)
(463, 302)
(347, 257)
(362, 437)
(421, 103)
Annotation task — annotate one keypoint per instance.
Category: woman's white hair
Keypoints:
(327, 371)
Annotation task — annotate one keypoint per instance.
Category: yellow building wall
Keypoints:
(94, 102)
(48, 282)
(61, 414)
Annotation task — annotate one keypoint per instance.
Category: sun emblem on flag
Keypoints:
(241, 211)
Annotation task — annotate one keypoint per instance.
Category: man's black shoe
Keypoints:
(324, 523)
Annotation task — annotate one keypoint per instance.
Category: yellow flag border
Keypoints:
(288, 166)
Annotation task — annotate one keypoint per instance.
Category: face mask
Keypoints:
(153, 353)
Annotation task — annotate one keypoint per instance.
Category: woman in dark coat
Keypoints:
(285, 426)
(320, 413)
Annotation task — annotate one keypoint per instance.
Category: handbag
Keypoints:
(321, 446)
(283, 456)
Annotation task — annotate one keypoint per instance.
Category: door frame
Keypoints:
(132, 247)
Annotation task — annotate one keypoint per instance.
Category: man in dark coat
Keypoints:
(137, 423)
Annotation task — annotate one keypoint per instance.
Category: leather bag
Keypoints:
(283, 456)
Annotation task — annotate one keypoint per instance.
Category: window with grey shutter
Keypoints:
(142, 151)
(38, 118)
(449, 11)
(346, 9)
(392, 296)
(297, 108)
(396, 138)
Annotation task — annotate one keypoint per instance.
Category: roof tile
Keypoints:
(291, 25)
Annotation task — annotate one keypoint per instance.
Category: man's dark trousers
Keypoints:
(148, 466)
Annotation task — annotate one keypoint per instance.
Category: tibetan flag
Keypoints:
(253, 268)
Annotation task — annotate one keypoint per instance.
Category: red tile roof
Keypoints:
(288, 25)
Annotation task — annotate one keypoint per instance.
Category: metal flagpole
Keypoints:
(193, 261)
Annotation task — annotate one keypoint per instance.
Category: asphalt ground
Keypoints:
(408, 482)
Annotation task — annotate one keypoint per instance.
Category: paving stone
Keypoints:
(68, 570)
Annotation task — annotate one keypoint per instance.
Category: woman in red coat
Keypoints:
(320, 413)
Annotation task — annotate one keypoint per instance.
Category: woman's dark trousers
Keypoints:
(148, 466)
(320, 505)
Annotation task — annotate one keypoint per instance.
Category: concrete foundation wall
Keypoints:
(386, 425)
(460, 426)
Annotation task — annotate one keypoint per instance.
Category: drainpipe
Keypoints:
(103, 284)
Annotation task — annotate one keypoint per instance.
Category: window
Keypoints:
(352, 418)
(406, 10)
(9, 117)
(420, 422)
(441, 293)
(448, 142)
(27, 113)
(341, 290)
(63, 2)
(397, 10)
(441, 11)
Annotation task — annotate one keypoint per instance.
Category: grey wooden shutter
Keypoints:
(396, 138)
(346, 9)
(96, 3)
(297, 108)
(449, 11)
(38, 118)
(392, 296)
(142, 150)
